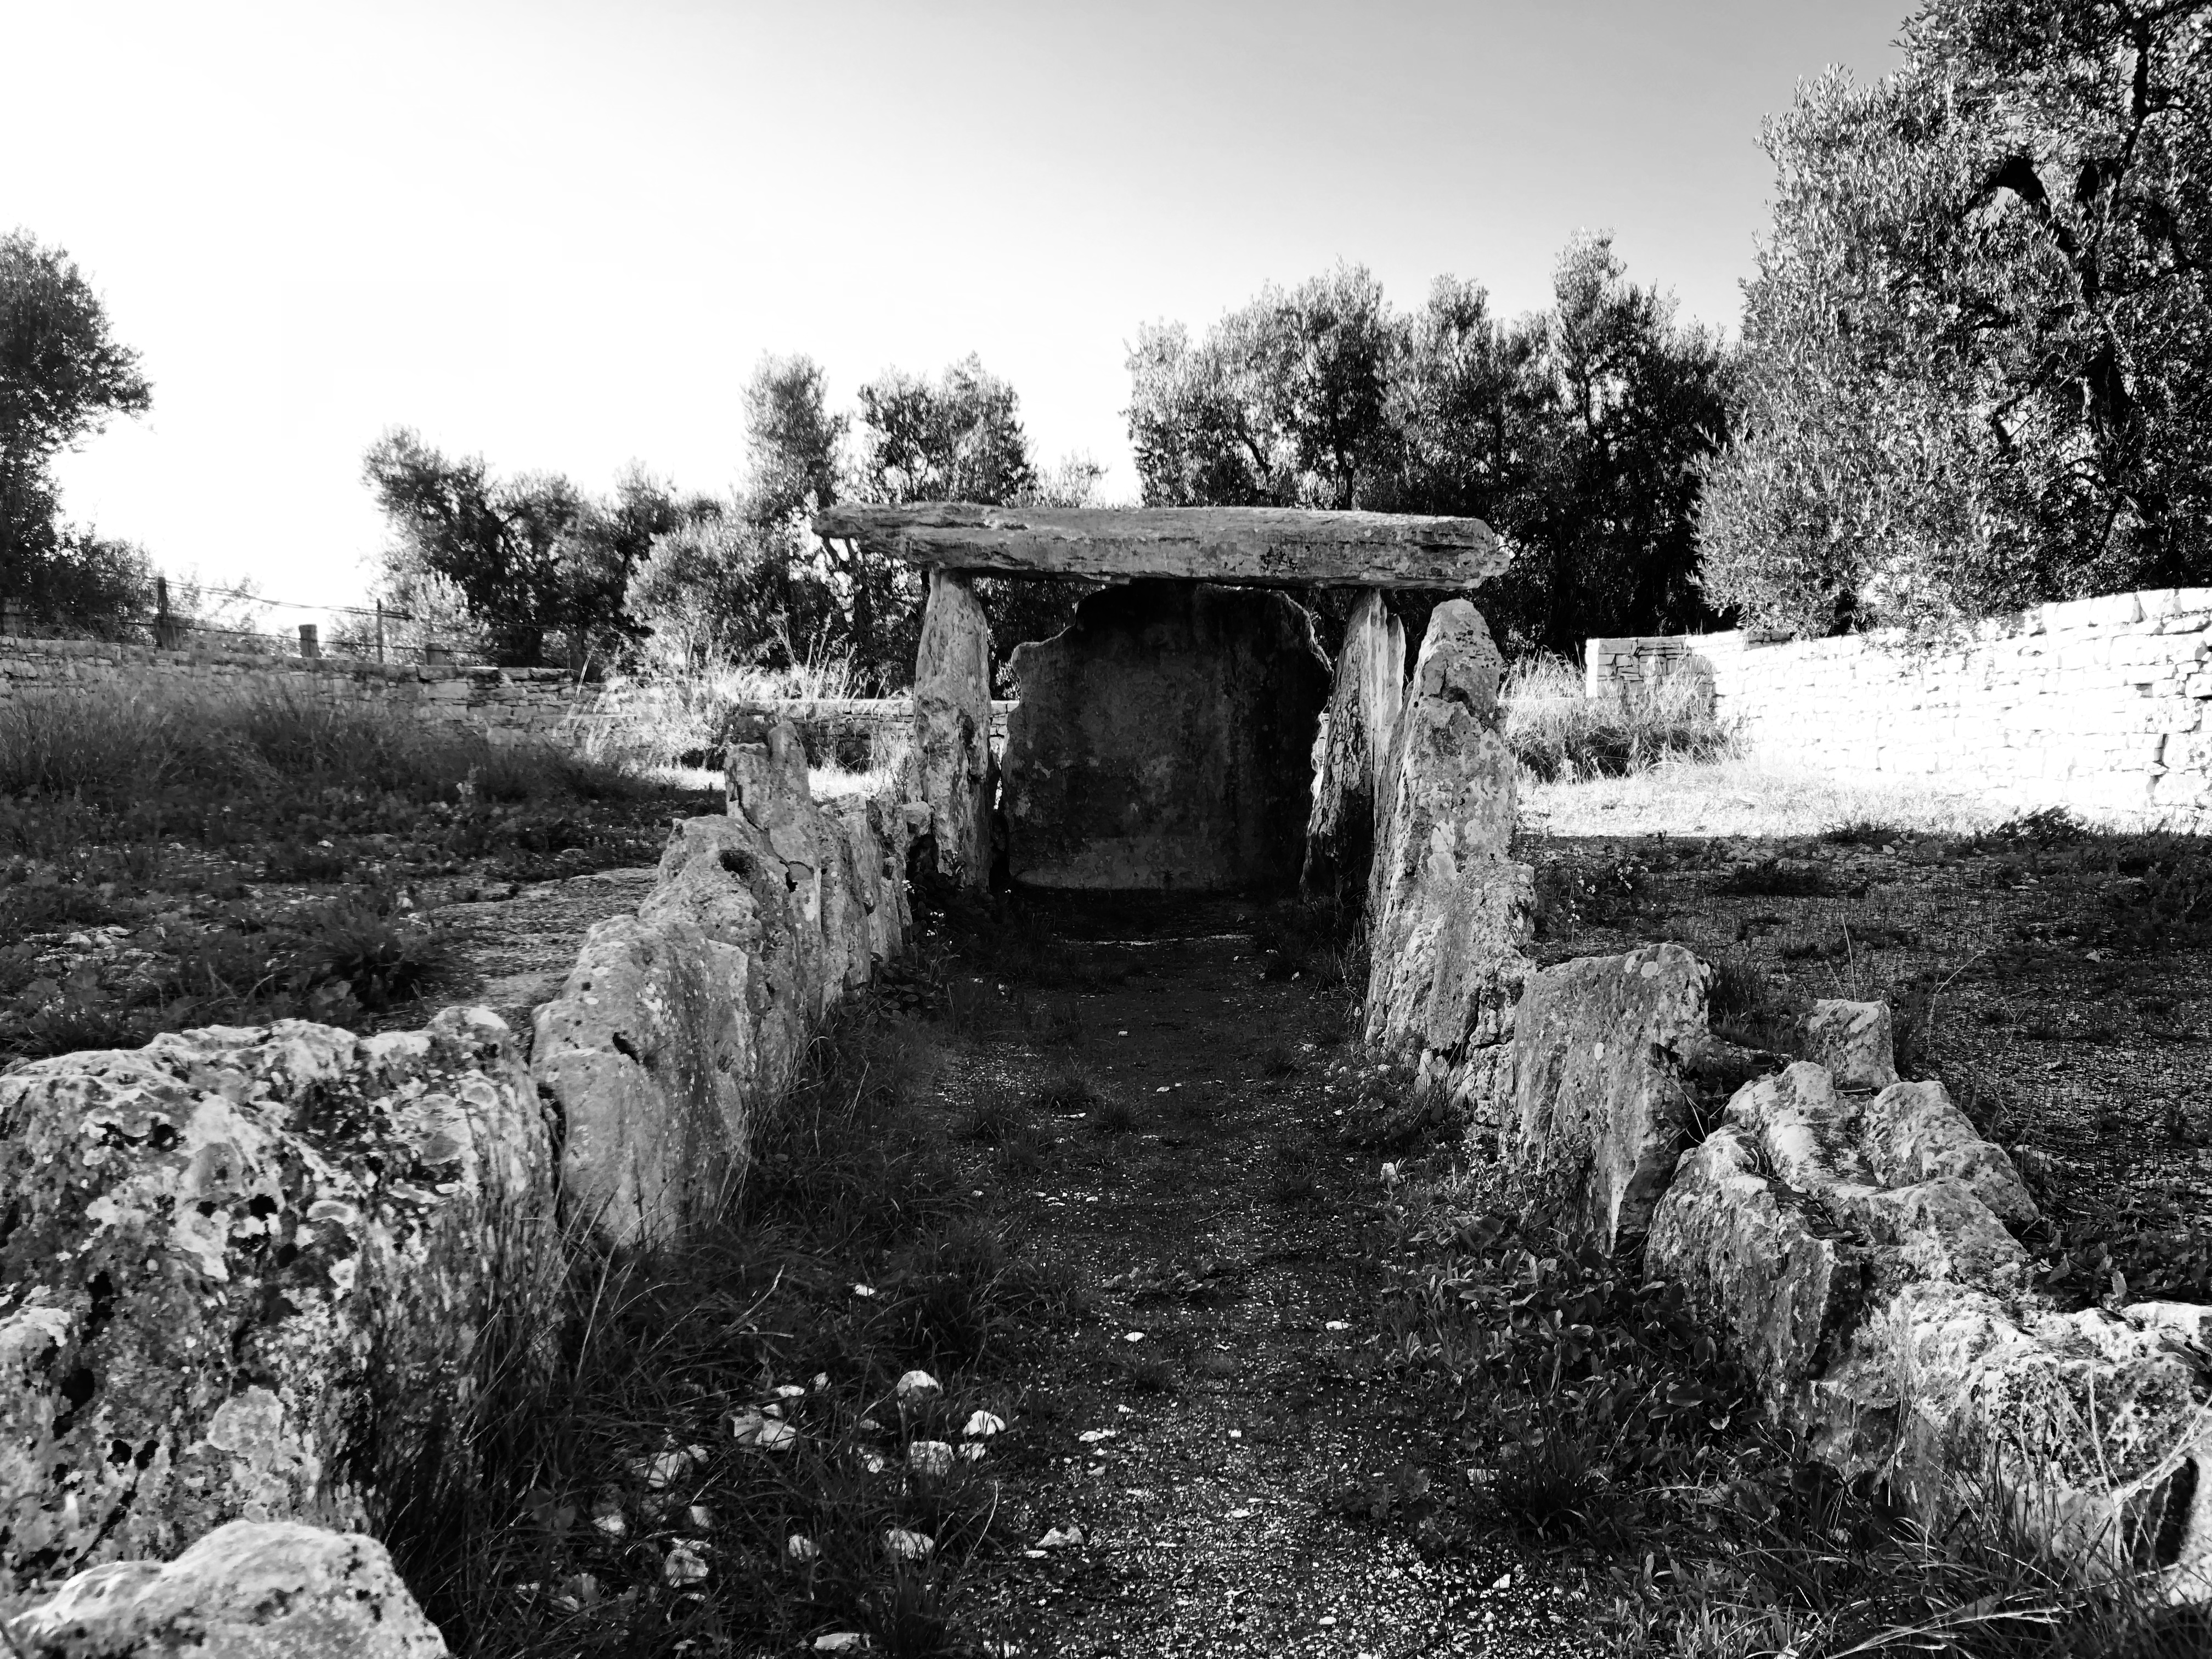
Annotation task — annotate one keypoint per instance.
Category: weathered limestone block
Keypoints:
(2094, 1427)
(950, 766)
(1352, 750)
(1912, 1132)
(1853, 1041)
(247, 1590)
(1164, 740)
(257, 1273)
(1779, 1280)
(647, 1053)
(1450, 912)
(1812, 1136)
(677, 1025)
(1599, 1097)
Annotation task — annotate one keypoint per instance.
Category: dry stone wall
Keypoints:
(2104, 705)
(507, 705)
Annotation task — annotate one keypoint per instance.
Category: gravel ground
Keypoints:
(1207, 1427)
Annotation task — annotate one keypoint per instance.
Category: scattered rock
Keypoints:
(247, 1590)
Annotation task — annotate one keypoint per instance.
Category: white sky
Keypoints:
(560, 234)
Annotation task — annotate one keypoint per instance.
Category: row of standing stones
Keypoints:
(1848, 1235)
(252, 1281)
(253, 1277)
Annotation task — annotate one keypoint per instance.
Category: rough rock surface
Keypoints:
(1599, 1097)
(1912, 1132)
(1277, 546)
(1778, 1280)
(1853, 1041)
(950, 767)
(1351, 751)
(1449, 911)
(247, 1590)
(679, 1023)
(1164, 740)
(254, 1274)
(2093, 1424)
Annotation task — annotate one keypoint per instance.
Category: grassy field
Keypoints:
(169, 865)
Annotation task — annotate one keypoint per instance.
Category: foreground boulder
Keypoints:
(2093, 1430)
(1604, 1071)
(1164, 741)
(680, 1024)
(247, 1590)
(1451, 911)
(258, 1273)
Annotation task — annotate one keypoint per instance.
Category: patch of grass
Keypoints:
(1557, 732)
(1772, 879)
(1113, 1116)
(1276, 1060)
(1865, 832)
(1602, 1417)
(1066, 1088)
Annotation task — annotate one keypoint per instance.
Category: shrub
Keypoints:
(1558, 733)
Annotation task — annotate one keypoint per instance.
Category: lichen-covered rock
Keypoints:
(1912, 1132)
(1599, 1098)
(1352, 750)
(247, 1590)
(1450, 912)
(1853, 1041)
(2093, 1427)
(949, 767)
(680, 1024)
(258, 1273)
(1813, 1138)
(1776, 1280)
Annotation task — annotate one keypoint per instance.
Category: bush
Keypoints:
(1557, 732)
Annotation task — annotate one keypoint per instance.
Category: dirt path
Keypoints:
(1211, 1427)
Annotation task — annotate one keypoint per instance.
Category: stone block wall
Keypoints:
(2103, 706)
(507, 705)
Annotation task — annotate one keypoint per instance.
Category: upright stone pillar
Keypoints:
(1354, 744)
(949, 769)
(1449, 910)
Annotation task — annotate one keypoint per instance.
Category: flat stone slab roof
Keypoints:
(1241, 546)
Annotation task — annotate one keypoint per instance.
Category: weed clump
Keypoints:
(1557, 732)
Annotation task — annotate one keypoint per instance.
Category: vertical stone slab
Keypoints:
(1354, 745)
(948, 768)
(1449, 911)
(1164, 741)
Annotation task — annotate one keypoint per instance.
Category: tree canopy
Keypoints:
(1575, 433)
(1977, 352)
(63, 375)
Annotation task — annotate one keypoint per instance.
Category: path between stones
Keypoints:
(1205, 1424)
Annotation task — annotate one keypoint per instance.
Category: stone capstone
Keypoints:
(678, 1024)
(1449, 912)
(1163, 741)
(949, 766)
(1351, 751)
(247, 1590)
(1601, 1084)
(259, 1273)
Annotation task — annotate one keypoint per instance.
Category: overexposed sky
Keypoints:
(560, 234)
